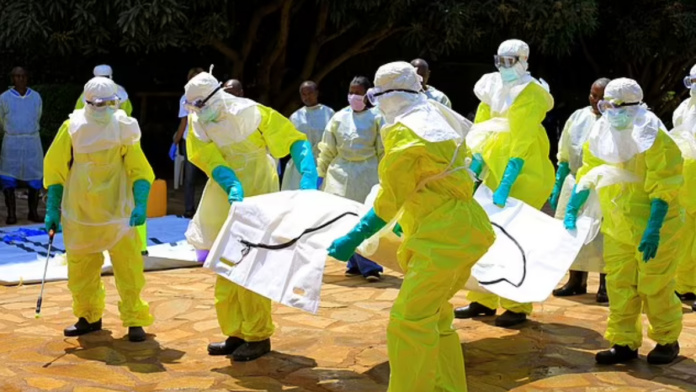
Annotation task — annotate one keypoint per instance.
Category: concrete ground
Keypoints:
(343, 348)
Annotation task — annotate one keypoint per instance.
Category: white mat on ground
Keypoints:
(275, 245)
(23, 251)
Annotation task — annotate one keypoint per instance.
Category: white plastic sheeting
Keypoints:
(275, 245)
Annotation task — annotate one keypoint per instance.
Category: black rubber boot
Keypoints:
(617, 354)
(662, 355)
(34, 206)
(602, 297)
(11, 204)
(225, 348)
(474, 309)
(82, 327)
(136, 334)
(686, 296)
(510, 319)
(250, 351)
(577, 285)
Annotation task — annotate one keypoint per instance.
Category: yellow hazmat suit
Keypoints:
(97, 204)
(424, 185)
(350, 151)
(524, 138)
(641, 174)
(241, 313)
(684, 134)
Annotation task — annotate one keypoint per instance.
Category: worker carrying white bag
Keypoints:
(275, 245)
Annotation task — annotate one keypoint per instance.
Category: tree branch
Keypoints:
(588, 56)
(358, 47)
(268, 60)
(337, 34)
(252, 31)
(225, 50)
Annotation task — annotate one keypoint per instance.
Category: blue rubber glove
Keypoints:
(172, 152)
(53, 201)
(512, 171)
(577, 200)
(228, 181)
(301, 153)
(561, 174)
(320, 183)
(141, 192)
(651, 236)
(398, 230)
(343, 248)
(477, 164)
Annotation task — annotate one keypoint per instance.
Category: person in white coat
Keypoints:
(575, 134)
(310, 120)
(349, 156)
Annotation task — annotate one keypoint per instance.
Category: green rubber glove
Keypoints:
(53, 201)
(512, 171)
(477, 164)
(561, 174)
(227, 179)
(141, 192)
(577, 200)
(398, 230)
(302, 157)
(651, 236)
(343, 248)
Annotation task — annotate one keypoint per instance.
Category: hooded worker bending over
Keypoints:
(98, 182)
(425, 185)
(510, 153)
(230, 139)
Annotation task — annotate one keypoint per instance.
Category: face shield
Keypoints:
(374, 93)
(505, 61)
(198, 104)
(99, 104)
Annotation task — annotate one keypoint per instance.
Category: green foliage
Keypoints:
(58, 102)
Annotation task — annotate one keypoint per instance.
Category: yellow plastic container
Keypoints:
(157, 204)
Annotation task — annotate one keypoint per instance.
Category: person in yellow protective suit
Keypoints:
(99, 180)
(106, 71)
(426, 187)
(575, 133)
(510, 153)
(230, 139)
(350, 151)
(636, 169)
(684, 121)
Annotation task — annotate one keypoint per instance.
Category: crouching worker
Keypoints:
(230, 139)
(445, 232)
(98, 182)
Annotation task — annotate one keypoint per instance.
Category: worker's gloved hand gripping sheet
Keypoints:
(275, 245)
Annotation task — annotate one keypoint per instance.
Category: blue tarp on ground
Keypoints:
(23, 250)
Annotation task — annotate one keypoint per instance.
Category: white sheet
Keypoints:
(293, 275)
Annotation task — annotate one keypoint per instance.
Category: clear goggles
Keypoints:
(505, 61)
(690, 81)
(605, 106)
(375, 92)
(199, 104)
(100, 103)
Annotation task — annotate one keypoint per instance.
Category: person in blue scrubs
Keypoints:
(21, 158)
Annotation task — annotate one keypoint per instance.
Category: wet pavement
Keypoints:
(343, 348)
